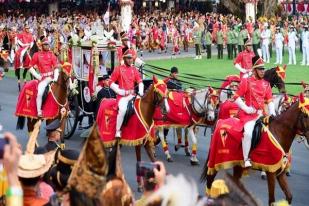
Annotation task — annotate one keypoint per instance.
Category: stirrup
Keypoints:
(248, 163)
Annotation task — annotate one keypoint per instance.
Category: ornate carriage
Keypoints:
(89, 61)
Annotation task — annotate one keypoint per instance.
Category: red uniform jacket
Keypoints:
(46, 62)
(256, 92)
(244, 59)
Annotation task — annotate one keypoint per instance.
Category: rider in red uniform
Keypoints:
(46, 63)
(126, 76)
(25, 42)
(256, 92)
(229, 108)
(243, 61)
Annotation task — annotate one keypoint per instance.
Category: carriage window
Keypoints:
(86, 64)
(76, 59)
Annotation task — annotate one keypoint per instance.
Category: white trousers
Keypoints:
(305, 55)
(122, 108)
(279, 55)
(265, 52)
(292, 55)
(21, 58)
(246, 141)
(41, 88)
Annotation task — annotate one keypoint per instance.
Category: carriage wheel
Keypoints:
(72, 119)
(306, 142)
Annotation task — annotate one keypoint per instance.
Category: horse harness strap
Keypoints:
(59, 104)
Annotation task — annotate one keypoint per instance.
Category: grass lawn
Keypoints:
(214, 68)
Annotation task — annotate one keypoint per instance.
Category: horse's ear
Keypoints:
(277, 68)
(155, 80)
(301, 98)
(284, 67)
(210, 89)
(166, 80)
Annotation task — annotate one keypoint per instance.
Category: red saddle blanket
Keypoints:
(26, 103)
(133, 133)
(180, 114)
(226, 149)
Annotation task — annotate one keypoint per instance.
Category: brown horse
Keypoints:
(284, 128)
(155, 95)
(59, 91)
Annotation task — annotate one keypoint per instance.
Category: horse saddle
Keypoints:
(257, 131)
(129, 112)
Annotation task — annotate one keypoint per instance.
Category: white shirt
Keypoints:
(265, 36)
(279, 40)
(292, 39)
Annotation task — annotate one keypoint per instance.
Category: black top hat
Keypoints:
(104, 77)
(60, 172)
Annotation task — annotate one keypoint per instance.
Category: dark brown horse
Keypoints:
(154, 96)
(284, 128)
(59, 90)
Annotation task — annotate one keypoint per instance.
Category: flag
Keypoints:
(106, 16)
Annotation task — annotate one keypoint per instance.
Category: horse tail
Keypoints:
(20, 123)
(203, 177)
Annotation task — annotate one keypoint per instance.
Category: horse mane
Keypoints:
(281, 117)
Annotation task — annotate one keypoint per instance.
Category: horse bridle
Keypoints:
(158, 100)
(203, 107)
(302, 124)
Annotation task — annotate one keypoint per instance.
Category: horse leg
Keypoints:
(150, 148)
(285, 186)
(179, 139)
(209, 179)
(193, 159)
(271, 180)
(164, 145)
(30, 125)
(138, 159)
(187, 151)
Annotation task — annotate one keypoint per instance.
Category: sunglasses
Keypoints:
(262, 69)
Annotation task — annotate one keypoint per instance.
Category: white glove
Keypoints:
(259, 51)
(35, 74)
(271, 109)
(141, 89)
(242, 70)
(56, 75)
(116, 89)
(244, 107)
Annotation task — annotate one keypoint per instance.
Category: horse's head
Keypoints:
(276, 77)
(211, 104)
(65, 76)
(160, 90)
(303, 123)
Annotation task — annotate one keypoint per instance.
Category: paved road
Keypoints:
(299, 180)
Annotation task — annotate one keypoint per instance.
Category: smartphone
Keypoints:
(142, 168)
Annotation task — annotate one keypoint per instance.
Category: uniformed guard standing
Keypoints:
(292, 39)
(279, 45)
(230, 36)
(219, 36)
(208, 42)
(256, 39)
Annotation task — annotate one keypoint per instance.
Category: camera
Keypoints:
(144, 169)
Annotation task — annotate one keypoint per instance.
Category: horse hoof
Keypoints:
(263, 177)
(288, 174)
(177, 147)
(194, 161)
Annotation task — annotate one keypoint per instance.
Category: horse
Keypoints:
(57, 92)
(282, 129)
(201, 110)
(275, 76)
(142, 120)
